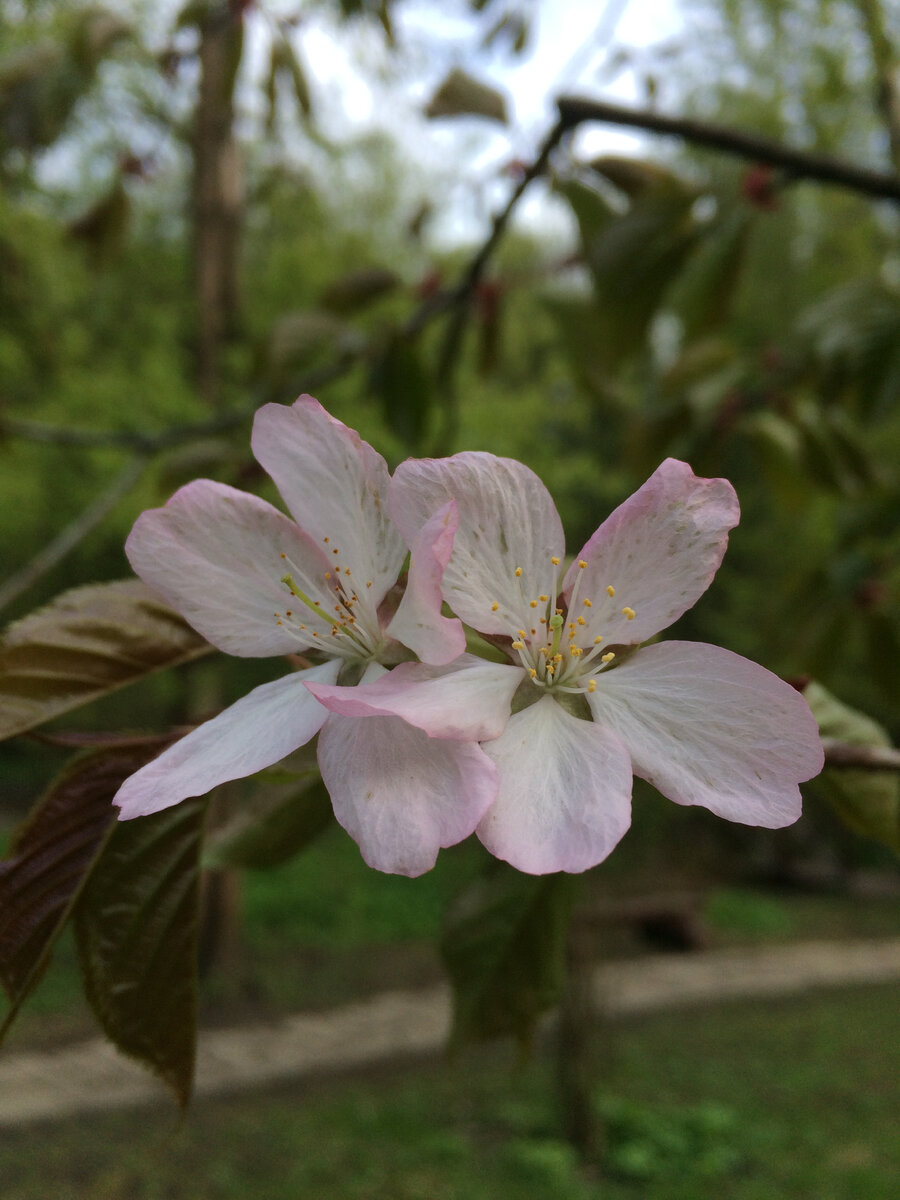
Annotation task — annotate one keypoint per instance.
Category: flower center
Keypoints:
(559, 647)
(346, 625)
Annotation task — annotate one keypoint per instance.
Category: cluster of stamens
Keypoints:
(353, 624)
(549, 648)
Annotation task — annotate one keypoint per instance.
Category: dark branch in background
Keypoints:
(860, 758)
(799, 164)
(461, 296)
(74, 533)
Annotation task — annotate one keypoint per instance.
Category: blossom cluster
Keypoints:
(421, 742)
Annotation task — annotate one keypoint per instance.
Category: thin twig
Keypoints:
(74, 533)
(460, 297)
(798, 163)
(860, 758)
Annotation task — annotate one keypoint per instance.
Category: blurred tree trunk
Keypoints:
(216, 192)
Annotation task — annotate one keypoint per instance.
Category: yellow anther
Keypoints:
(598, 639)
(592, 685)
(289, 612)
(582, 563)
(335, 550)
(518, 645)
(521, 632)
(518, 572)
(607, 657)
(582, 621)
(576, 651)
(555, 560)
(588, 603)
(494, 606)
(368, 583)
(326, 539)
(279, 622)
(534, 603)
(557, 658)
(544, 598)
(532, 672)
(559, 612)
(282, 555)
(610, 591)
(628, 613)
(533, 633)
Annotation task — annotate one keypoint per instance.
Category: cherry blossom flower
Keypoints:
(593, 706)
(255, 583)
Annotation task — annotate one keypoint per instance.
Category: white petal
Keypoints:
(260, 729)
(400, 794)
(214, 553)
(466, 701)
(507, 520)
(659, 550)
(418, 622)
(706, 726)
(565, 792)
(335, 485)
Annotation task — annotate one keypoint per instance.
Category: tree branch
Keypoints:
(860, 758)
(460, 297)
(797, 163)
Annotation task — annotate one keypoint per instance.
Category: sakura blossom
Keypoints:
(594, 703)
(322, 587)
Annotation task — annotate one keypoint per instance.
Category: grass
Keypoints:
(745, 1101)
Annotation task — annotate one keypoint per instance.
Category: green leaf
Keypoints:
(52, 855)
(273, 826)
(633, 258)
(136, 928)
(503, 945)
(400, 382)
(358, 289)
(633, 176)
(867, 801)
(86, 643)
(705, 292)
(462, 95)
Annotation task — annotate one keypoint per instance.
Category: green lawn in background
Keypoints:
(746, 1101)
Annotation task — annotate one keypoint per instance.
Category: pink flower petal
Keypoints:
(260, 729)
(659, 550)
(708, 727)
(214, 553)
(418, 622)
(467, 701)
(507, 520)
(335, 485)
(565, 792)
(400, 794)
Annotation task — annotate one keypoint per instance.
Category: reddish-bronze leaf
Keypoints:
(136, 925)
(89, 641)
(53, 853)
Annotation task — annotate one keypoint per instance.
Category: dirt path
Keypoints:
(93, 1076)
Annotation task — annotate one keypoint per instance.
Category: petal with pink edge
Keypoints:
(466, 701)
(400, 794)
(708, 727)
(507, 520)
(214, 553)
(335, 486)
(565, 792)
(259, 729)
(418, 622)
(659, 550)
